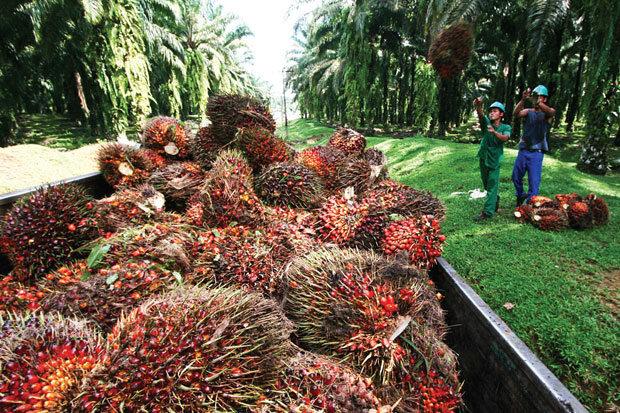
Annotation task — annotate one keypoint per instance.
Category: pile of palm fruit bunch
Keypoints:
(225, 273)
(564, 210)
(451, 50)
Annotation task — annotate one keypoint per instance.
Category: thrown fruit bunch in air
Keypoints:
(204, 256)
(451, 50)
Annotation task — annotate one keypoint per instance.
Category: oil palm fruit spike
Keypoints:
(338, 219)
(325, 161)
(549, 219)
(130, 206)
(348, 141)
(261, 146)
(419, 237)
(122, 164)
(539, 201)
(227, 195)
(451, 50)
(391, 197)
(178, 182)
(599, 209)
(370, 232)
(229, 112)
(16, 297)
(564, 199)
(523, 213)
(289, 184)
(156, 161)
(311, 381)
(43, 360)
(193, 349)
(40, 231)
(168, 137)
(359, 174)
(579, 215)
(205, 148)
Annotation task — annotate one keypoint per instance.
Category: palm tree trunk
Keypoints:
(409, 113)
(574, 104)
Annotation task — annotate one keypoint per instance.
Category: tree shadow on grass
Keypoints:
(54, 131)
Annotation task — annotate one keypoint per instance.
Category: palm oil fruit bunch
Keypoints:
(524, 213)
(359, 174)
(205, 147)
(178, 182)
(42, 230)
(419, 237)
(451, 50)
(310, 382)
(43, 360)
(369, 233)
(121, 164)
(325, 161)
(194, 350)
(376, 158)
(130, 206)
(229, 112)
(167, 137)
(227, 195)
(564, 199)
(538, 201)
(16, 297)
(289, 184)
(579, 215)
(599, 209)
(261, 147)
(347, 141)
(391, 197)
(156, 160)
(549, 219)
(338, 219)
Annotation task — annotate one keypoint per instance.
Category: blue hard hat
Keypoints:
(497, 105)
(540, 90)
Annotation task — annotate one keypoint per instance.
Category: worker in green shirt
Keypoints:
(491, 153)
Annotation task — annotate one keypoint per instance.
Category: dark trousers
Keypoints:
(490, 180)
(530, 163)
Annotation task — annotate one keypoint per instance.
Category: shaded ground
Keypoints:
(53, 131)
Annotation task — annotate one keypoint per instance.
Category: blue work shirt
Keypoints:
(535, 132)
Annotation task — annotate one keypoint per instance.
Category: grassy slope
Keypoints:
(564, 286)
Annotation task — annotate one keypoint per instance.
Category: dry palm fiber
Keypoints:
(537, 201)
(130, 206)
(167, 137)
(289, 184)
(227, 195)
(376, 158)
(122, 164)
(194, 349)
(549, 219)
(43, 360)
(579, 215)
(229, 112)
(325, 161)
(205, 148)
(359, 174)
(391, 197)
(43, 229)
(451, 50)
(347, 141)
(261, 147)
(315, 383)
(178, 182)
(599, 209)
(338, 219)
(420, 238)
(524, 213)
(344, 307)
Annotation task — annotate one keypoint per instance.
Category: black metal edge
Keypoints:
(531, 365)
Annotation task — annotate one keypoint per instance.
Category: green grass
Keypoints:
(564, 285)
(54, 131)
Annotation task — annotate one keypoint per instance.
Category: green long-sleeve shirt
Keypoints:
(491, 148)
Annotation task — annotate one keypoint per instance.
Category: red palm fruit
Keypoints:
(205, 148)
(541, 201)
(45, 228)
(523, 213)
(156, 161)
(17, 298)
(325, 161)
(579, 215)
(44, 360)
(338, 219)
(564, 199)
(122, 164)
(289, 184)
(178, 182)
(262, 147)
(549, 219)
(168, 137)
(599, 209)
(229, 112)
(347, 141)
(130, 206)
(451, 50)
(360, 174)
(420, 238)
(391, 197)
(370, 231)
(193, 349)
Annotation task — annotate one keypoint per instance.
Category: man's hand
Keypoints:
(478, 102)
(526, 93)
(491, 129)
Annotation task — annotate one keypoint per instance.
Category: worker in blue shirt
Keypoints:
(533, 144)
